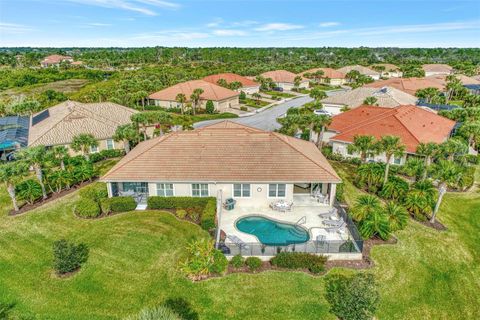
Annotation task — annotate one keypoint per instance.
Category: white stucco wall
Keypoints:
(341, 148)
(220, 105)
(290, 86)
(250, 90)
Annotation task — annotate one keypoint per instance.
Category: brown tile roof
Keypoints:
(328, 73)
(409, 85)
(467, 80)
(280, 76)
(55, 58)
(71, 118)
(437, 67)
(231, 77)
(224, 152)
(386, 97)
(388, 66)
(210, 91)
(363, 70)
(412, 124)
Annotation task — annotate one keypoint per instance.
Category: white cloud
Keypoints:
(245, 23)
(98, 24)
(140, 6)
(14, 28)
(215, 23)
(418, 28)
(167, 35)
(279, 27)
(229, 32)
(329, 24)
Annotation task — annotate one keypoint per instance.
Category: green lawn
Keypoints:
(279, 94)
(254, 103)
(134, 256)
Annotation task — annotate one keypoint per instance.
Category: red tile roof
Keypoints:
(410, 85)
(210, 91)
(280, 76)
(55, 58)
(328, 73)
(231, 77)
(412, 124)
(437, 67)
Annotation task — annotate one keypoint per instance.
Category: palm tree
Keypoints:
(396, 188)
(141, 95)
(10, 174)
(318, 123)
(185, 122)
(427, 150)
(59, 153)
(291, 124)
(452, 147)
(370, 176)
(428, 94)
(371, 101)
(376, 223)
(365, 205)
(127, 134)
(397, 216)
(83, 142)
(195, 98)
(141, 121)
(415, 167)
(35, 158)
(163, 120)
(471, 131)
(257, 96)
(391, 146)
(421, 198)
(317, 95)
(181, 98)
(446, 172)
(365, 145)
(296, 82)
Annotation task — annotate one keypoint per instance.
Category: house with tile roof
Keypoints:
(58, 125)
(285, 79)
(223, 99)
(256, 176)
(330, 76)
(363, 70)
(248, 85)
(387, 70)
(410, 85)
(414, 125)
(436, 69)
(386, 97)
(55, 60)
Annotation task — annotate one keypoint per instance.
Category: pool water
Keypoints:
(271, 232)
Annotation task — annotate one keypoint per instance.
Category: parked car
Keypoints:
(322, 112)
(278, 89)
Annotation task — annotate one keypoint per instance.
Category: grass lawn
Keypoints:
(65, 86)
(279, 94)
(134, 256)
(254, 103)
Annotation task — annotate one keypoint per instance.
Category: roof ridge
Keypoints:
(387, 112)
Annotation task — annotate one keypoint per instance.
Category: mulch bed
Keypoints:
(51, 197)
(437, 225)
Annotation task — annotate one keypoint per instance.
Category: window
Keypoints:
(199, 190)
(397, 160)
(110, 144)
(241, 190)
(165, 189)
(276, 190)
(93, 149)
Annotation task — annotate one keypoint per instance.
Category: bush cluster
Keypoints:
(87, 208)
(68, 257)
(253, 263)
(203, 260)
(106, 154)
(299, 260)
(28, 190)
(237, 261)
(117, 204)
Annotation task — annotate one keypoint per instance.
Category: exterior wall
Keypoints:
(374, 77)
(102, 145)
(250, 90)
(220, 105)
(334, 82)
(341, 148)
(333, 108)
(289, 86)
(435, 73)
(393, 74)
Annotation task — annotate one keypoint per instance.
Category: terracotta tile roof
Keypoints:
(386, 97)
(280, 76)
(64, 121)
(466, 80)
(437, 67)
(388, 66)
(409, 85)
(210, 91)
(224, 152)
(412, 124)
(55, 58)
(363, 70)
(328, 73)
(231, 77)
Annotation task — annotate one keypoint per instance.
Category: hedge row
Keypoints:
(299, 260)
(106, 154)
(118, 204)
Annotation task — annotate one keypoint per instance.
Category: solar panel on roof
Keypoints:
(40, 117)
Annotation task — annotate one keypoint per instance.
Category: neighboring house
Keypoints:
(284, 79)
(386, 97)
(248, 86)
(437, 69)
(55, 60)
(410, 85)
(390, 71)
(472, 84)
(260, 170)
(414, 125)
(13, 135)
(330, 76)
(363, 70)
(58, 125)
(223, 99)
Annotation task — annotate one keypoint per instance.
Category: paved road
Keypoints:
(265, 120)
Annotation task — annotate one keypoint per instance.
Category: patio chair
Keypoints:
(335, 229)
(237, 241)
(331, 212)
(320, 240)
(333, 223)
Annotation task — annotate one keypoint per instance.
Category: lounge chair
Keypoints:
(333, 223)
(335, 229)
(331, 212)
(237, 241)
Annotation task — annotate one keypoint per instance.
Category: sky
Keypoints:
(239, 23)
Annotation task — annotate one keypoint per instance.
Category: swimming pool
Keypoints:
(271, 232)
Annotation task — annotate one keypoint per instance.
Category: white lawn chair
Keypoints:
(330, 213)
(335, 229)
(333, 223)
(237, 241)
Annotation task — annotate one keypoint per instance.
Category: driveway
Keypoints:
(265, 120)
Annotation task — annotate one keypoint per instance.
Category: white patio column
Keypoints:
(109, 189)
(333, 190)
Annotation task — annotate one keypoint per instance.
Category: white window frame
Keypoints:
(164, 189)
(94, 151)
(241, 190)
(276, 190)
(399, 160)
(113, 144)
(200, 190)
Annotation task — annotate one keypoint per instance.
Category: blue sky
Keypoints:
(247, 23)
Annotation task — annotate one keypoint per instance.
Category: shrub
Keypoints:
(340, 195)
(68, 257)
(203, 259)
(395, 189)
(156, 202)
(156, 313)
(253, 263)
(242, 96)
(28, 190)
(209, 107)
(122, 204)
(96, 192)
(207, 220)
(106, 154)
(237, 261)
(87, 208)
(244, 108)
(299, 260)
(220, 262)
(194, 213)
(181, 213)
(352, 297)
